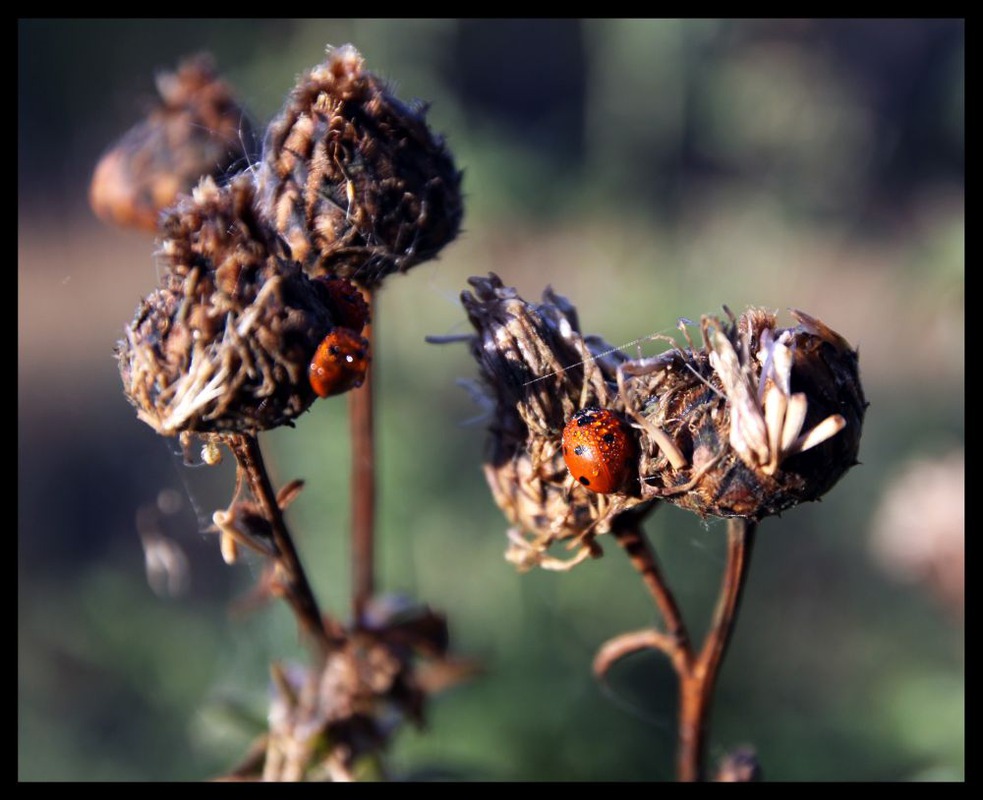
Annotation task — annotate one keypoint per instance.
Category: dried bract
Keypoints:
(245, 522)
(224, 344)
(355, 180)
(755, 421)
(197, 128)
(539, 370)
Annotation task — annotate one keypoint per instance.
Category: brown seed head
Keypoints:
(225, 342)
(196, 128)
(755, 421)
(539, 370)
(353, 179)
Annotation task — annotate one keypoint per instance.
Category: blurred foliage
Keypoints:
(647, 169)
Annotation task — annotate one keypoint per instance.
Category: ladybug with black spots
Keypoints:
(599, 449)
(340, 363)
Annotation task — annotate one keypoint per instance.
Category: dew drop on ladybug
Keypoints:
(599, 449)
(340, 363)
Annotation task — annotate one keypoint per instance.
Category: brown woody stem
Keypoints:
(697, 673)
(291, 577)
(627, 531)
(697, 686)
(361, 420)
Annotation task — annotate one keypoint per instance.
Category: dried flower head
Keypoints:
(197, 128)
(353, 179)
(757, 420)
(225, 343)
(539, 370)
(323, 723)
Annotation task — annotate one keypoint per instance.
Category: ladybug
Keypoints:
(599, 449)
(340, 363)
(348, 306)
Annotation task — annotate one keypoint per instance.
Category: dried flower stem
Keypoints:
(296, 589)
(628, 533)
(697, 673)
(696, 688)
(362, 423)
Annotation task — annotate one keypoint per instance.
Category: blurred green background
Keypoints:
(647, 170)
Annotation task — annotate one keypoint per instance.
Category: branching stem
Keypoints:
(697, 673)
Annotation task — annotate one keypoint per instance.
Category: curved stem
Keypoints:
(627, 643)
(296, 589)
(629, 535)
(363, 492)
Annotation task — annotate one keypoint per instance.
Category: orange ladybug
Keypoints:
(599, 449)
(346, 302)
(340, 363)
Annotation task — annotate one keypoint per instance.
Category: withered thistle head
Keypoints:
(757, 419)
(225, 343)
(322, 724)
(196, 128)
(540, 370)
(353, 179)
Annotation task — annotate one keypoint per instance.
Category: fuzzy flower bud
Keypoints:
(197, 128)
(226, 342)
(353, 179)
